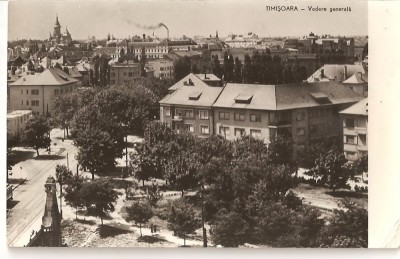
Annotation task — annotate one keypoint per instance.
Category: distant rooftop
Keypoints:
(360, 108)
(18, 113)
(51, 76)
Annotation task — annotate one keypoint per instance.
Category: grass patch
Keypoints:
(151, 239)
(21, 156)
(49, 157)
(111, 231)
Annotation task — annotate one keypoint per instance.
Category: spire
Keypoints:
(57, 24)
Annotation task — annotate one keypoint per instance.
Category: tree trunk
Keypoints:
(67, 132)
(182, 192)
(92, 176)
(76, 213)
(140, 228)
(101, 217)
(184, 239)
(37, 152)
(61, 200)
(143, 182)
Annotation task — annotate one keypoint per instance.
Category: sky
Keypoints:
(35, 18)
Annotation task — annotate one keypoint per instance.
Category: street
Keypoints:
(29, 198)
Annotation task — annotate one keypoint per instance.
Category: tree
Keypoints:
(216, 67)
(72, 193)
(347, 228)
(140, 213)
(238, 70)
(280, 150)
(11, 160)
(331, 170)
(229, 229)
(63, 175)
(97, 150)
(182, 67)
(99, 197)
(142, 163)
(36, 133)
(64, 109)
(154, 195)
(228, 67)
(143, 62)
(182, 219)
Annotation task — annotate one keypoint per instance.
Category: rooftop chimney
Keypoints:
(322, 73)
(345, 72)
(144, 37)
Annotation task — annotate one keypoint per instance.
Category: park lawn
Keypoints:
(325, 199)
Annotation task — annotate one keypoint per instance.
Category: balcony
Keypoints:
(361, 130)
(362, 148)
(177, 118)
(280, 124)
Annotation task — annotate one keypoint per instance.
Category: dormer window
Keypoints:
(194, 96)
(321, 98)
(244, 98)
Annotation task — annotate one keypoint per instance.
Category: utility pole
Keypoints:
(67, 162)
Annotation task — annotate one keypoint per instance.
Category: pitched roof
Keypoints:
(360, 108)
(284, 97)
(303, 95)
(335, 72)
(191, 95)
(74, 72)
(357, 78)
(263, 96)
(208, 77)
(184, 81)
(51, 76)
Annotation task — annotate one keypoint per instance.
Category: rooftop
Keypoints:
(18, 113)
(194, 79)
(284, 97)
(191, 95)
(51, 76)
(360, 108)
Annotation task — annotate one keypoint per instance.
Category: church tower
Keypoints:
(57, 28)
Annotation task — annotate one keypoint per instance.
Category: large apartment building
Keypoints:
(37, 91)
(304, 112)
(355, 124)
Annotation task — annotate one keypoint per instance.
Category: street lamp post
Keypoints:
(202, 217)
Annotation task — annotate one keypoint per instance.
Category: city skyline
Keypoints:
(128, 18)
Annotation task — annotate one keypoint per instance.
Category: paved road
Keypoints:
(29, 198)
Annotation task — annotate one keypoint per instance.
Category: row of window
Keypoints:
(33, 102)
(204, 129)
(62, 90)
(239, 132)
(33, 91)
(187, 113)
(166, 68)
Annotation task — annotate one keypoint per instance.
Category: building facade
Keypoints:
(124, 73)
(303, 112)
(37, 91)
(355, 125)
(163, 68)
(189, 106)
(16, 122)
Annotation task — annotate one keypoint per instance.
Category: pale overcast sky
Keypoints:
(35, 18)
